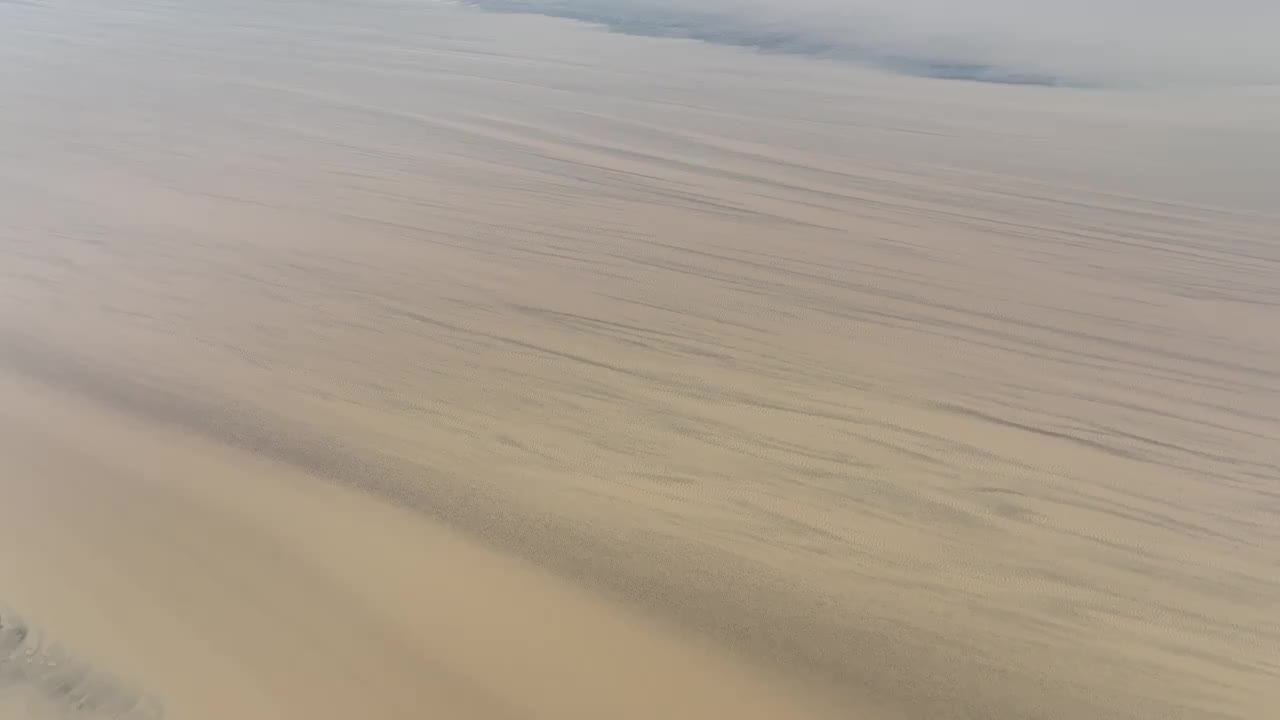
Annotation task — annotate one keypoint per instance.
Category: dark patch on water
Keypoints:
(737, 31)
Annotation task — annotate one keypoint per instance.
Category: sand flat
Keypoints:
(236, 586)
(929, 399)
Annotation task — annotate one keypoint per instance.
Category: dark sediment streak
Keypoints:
(737, 31)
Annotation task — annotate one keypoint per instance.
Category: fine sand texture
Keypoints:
(395, 359)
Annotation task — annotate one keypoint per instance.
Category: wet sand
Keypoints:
(397, 359)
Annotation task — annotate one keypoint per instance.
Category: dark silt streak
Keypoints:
(723, 28)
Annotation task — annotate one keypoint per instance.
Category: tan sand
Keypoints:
(399, 360)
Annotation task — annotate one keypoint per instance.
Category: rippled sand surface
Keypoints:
(393, 359)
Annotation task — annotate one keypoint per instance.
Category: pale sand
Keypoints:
(398, 360)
